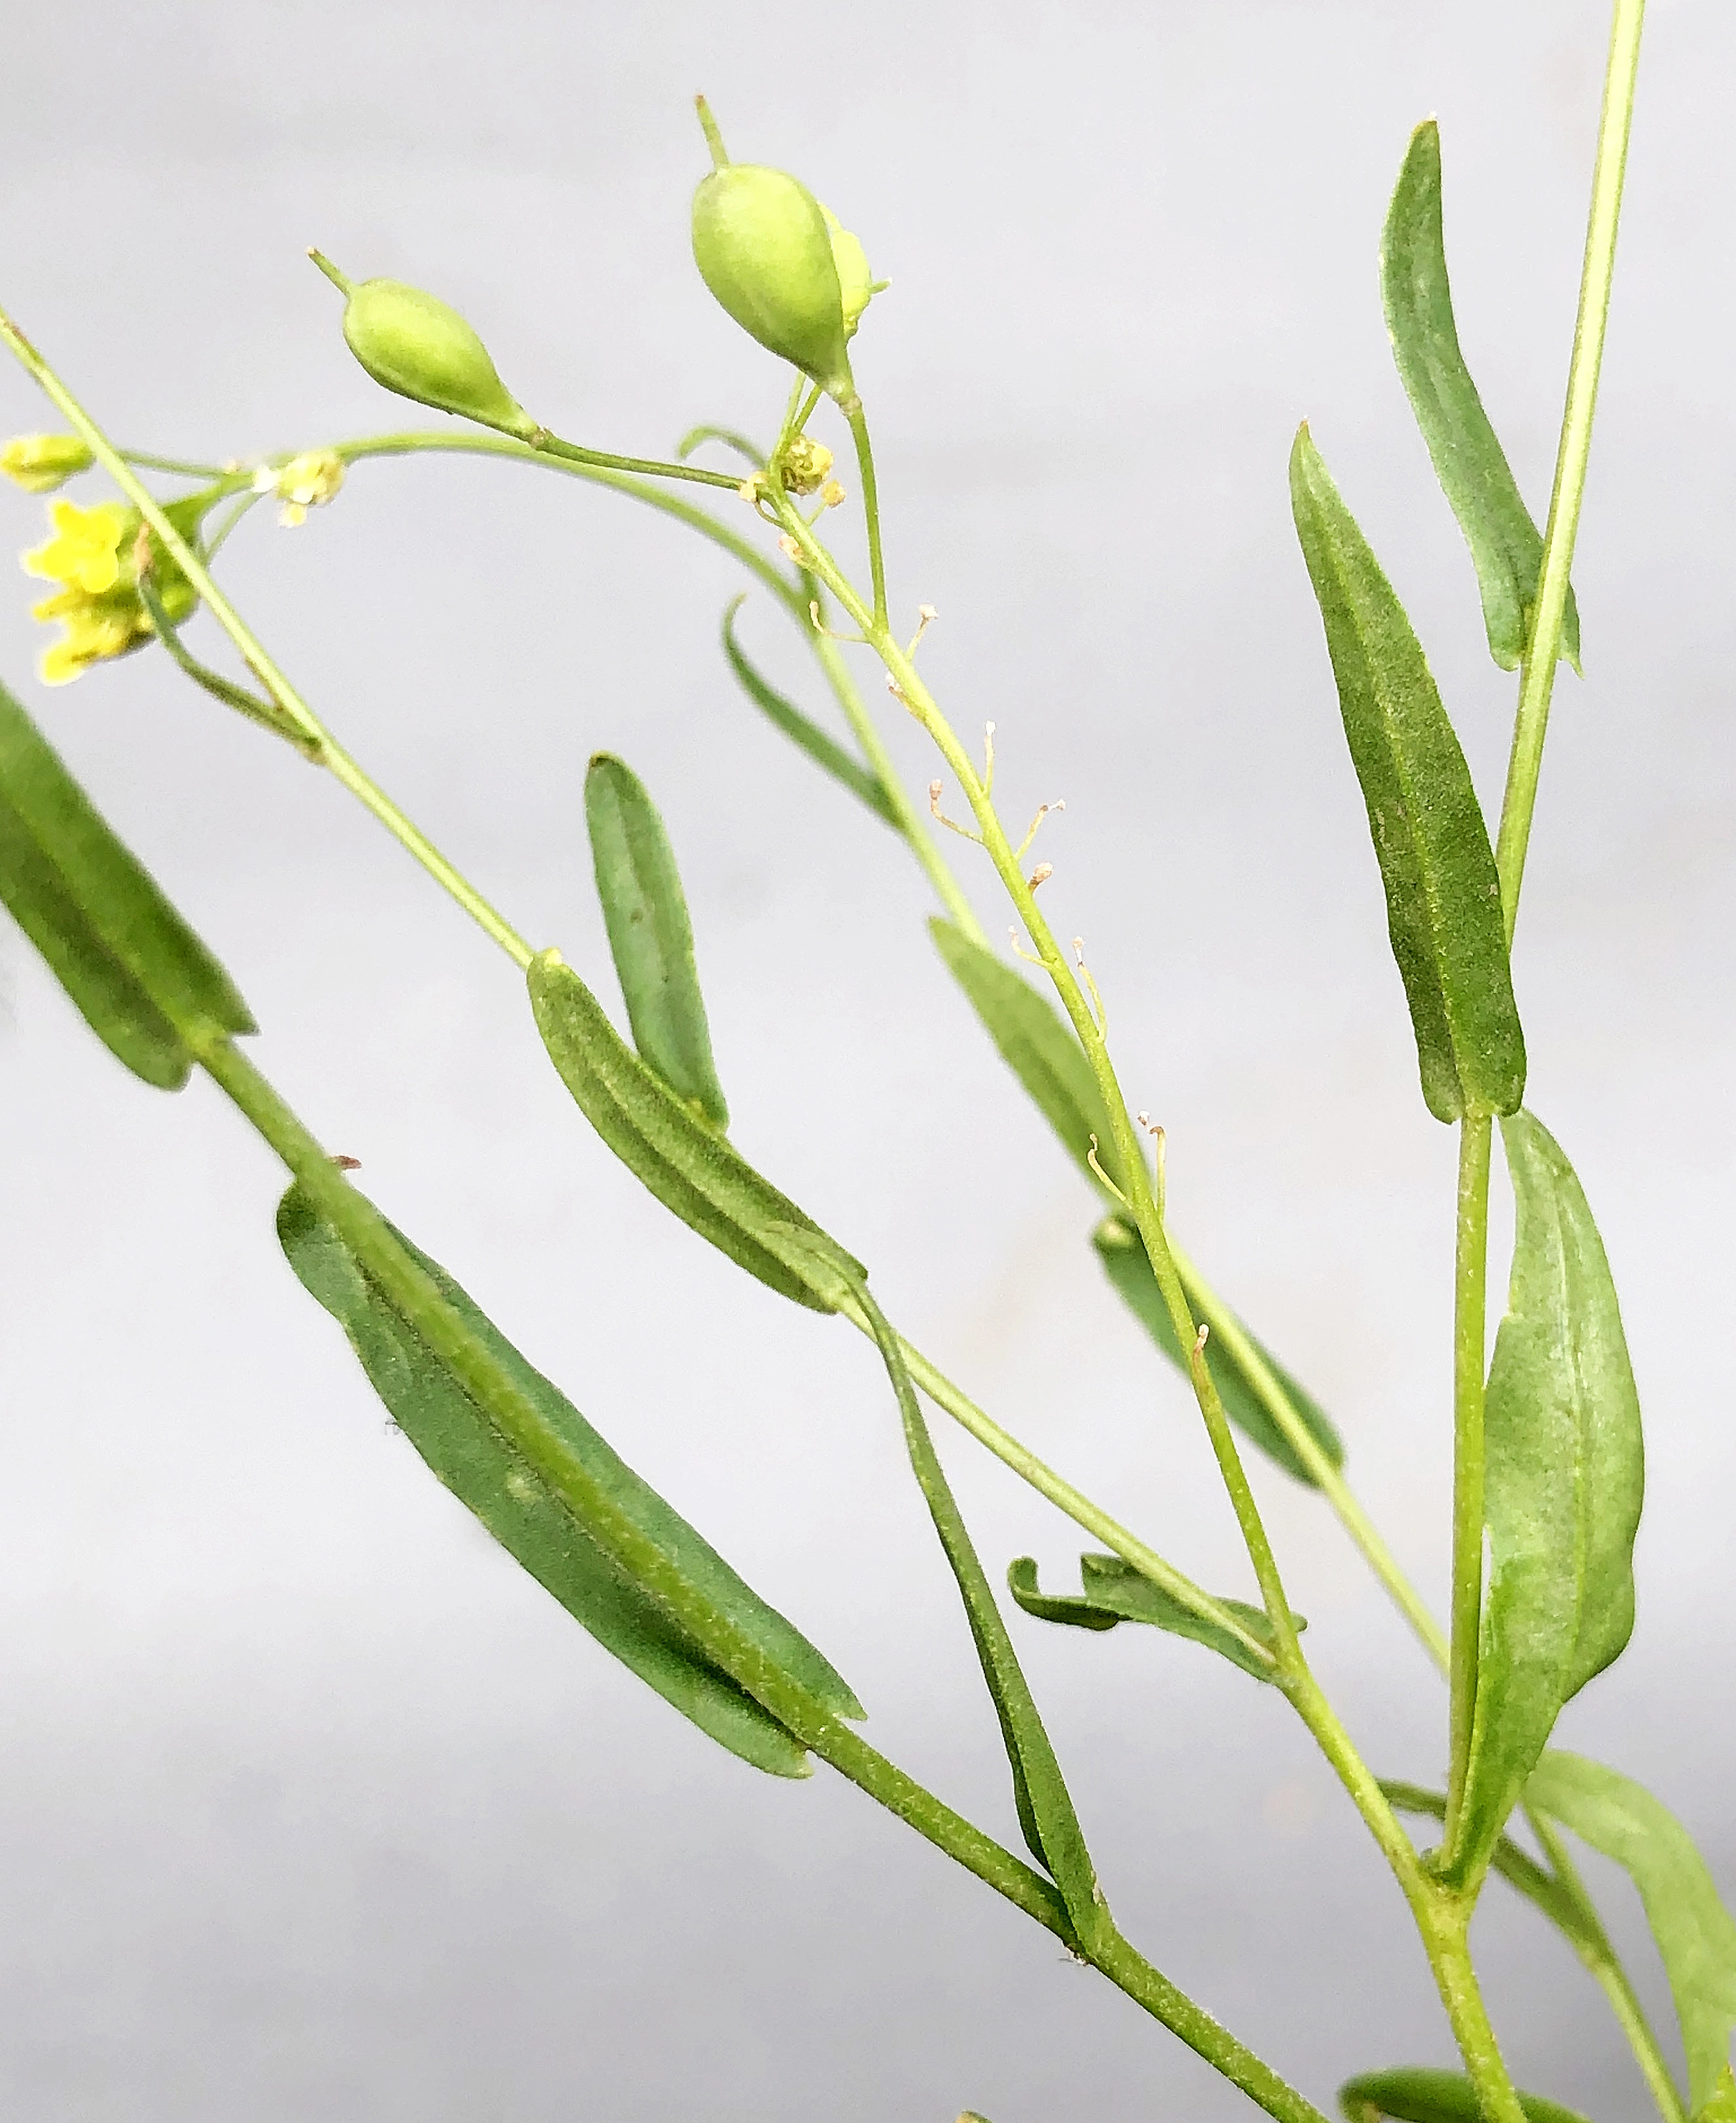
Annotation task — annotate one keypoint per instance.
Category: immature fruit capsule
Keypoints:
(780, 264)
(420, 347)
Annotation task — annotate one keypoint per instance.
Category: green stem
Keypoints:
(858, 420)
(1538, 679)
(1062, 1494)
(1435, 1912)
(1470, 1345)
(923, 845)
(1442, 1916)
(1227, 1329)
(415, 444)
(1451, 1955)
(1592, 1943)
(320, 745)
(407, 1285)
(179, 466)
(1142, 1202)
(1131, 1972)
(228, 522)
(553, 445)
(914, 829)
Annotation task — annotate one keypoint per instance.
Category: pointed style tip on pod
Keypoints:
(714, 139)
(339, 280)
(421, 348)
(782, 264)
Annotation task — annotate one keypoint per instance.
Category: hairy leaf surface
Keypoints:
(1696, 1936)
(142, 980)
(650, 936)
(451, 1429)
(1564, 1479)
(1506, 546)
(1443, 898)
(689, 1167)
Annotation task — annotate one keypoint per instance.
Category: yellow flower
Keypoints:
(305, 482)
(92, 556)
(85, 551)
(40, 463)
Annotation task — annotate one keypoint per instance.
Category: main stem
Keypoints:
(1440, 1918)
(1450, 1954)
(1537, 680)
(1469, 1341)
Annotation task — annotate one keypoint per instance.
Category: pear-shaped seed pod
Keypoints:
(420, 347)
(762, 247)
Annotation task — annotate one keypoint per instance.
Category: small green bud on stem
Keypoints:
(420, 347)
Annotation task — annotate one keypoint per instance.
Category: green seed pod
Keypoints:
(763, 246)
(418, 346)
(856, 281)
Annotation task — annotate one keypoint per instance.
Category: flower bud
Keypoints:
(416, 345)
(780, 264)
(41, 463)
(804, 465)
(308, 481)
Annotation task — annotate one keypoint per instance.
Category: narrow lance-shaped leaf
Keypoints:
(1443, 899)
(650, 936)
(689, 1167)
(1565, 1478)
(1115, 1593)
(142, 981)
(1506, 546)
(1420, 2093)
(1039, 1047)
(1045, 1807)
(826, 752)
(1123, 1253)
(452, 1431)
(1696, 1936)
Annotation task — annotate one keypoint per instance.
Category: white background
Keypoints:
(310, 1805)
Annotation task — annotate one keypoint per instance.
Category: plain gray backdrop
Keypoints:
(310, 1805)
